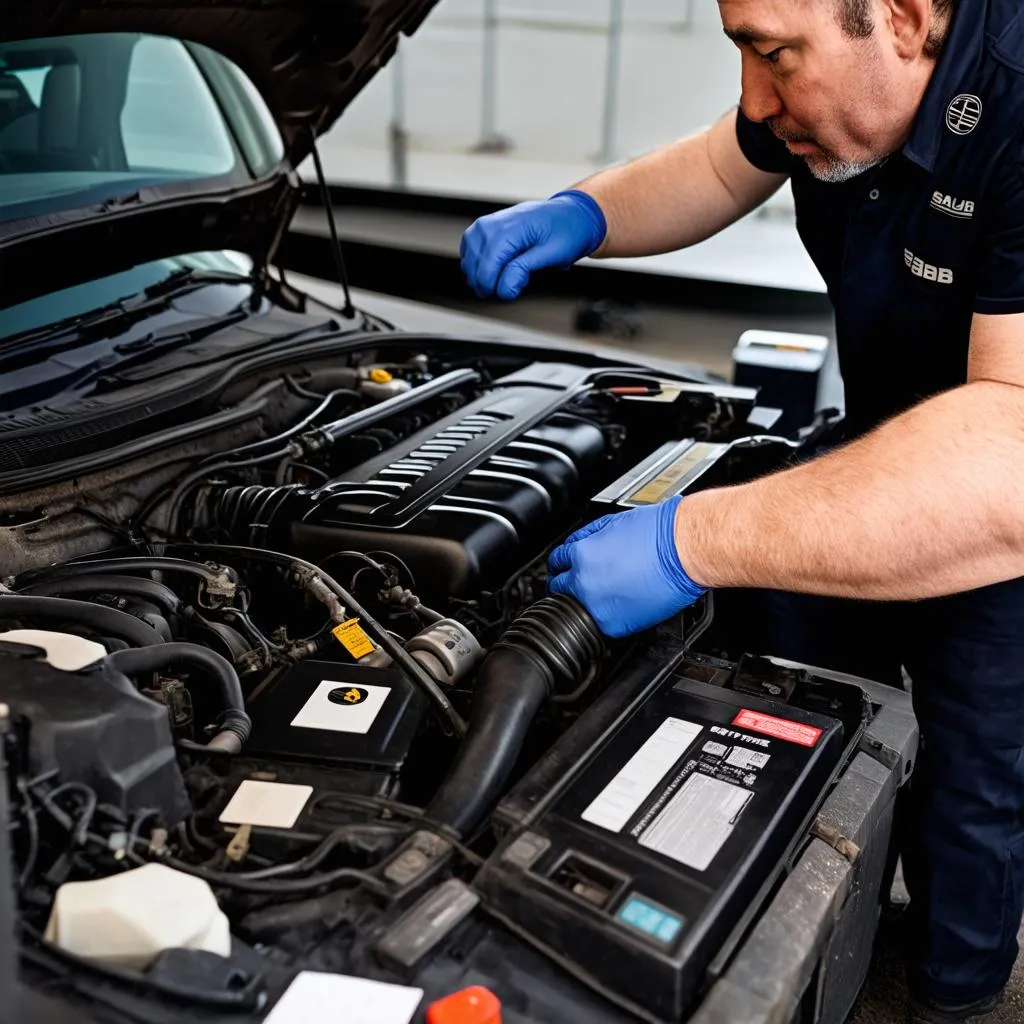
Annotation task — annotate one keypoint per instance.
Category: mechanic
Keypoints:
(899, 124)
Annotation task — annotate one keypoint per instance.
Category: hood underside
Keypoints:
(309, 58)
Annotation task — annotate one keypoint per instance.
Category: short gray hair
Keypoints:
(855, 18)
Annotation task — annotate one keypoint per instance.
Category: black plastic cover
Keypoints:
(93, 726)
(649, 853)
(337, 714)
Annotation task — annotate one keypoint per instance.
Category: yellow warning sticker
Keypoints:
(352, 637)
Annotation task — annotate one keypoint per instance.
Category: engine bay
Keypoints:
(305, 667)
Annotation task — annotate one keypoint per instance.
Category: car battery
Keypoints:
(654, 850)
(676, 467)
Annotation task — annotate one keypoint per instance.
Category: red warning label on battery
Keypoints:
(780, 728)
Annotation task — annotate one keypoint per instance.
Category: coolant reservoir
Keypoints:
(128, 920)
(63, 650)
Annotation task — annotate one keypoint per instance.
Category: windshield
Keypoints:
(84, 298)
(87, 119)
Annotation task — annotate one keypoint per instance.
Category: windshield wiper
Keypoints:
(55, 373)
(123, 312)
(184, 280)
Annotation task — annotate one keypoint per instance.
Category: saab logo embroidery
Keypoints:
(963, 209)
(925, 270)
(963, 114)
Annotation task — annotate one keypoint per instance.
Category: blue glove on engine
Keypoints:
(624, 569)
(501, 250)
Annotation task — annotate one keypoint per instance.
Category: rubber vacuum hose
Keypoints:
(131, 586)
(61, 611)
(236, 724)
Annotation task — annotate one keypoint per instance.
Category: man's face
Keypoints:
(840, 102)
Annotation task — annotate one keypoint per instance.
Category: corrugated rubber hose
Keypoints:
(553, 645)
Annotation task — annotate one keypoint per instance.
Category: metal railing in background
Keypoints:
(490, 140)
(612, 81)
(491, 21)
(398, 132)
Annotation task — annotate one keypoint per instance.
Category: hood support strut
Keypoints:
(339, 257)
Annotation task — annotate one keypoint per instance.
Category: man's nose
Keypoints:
(759, 99)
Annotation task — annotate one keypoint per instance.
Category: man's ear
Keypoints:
(907, 24)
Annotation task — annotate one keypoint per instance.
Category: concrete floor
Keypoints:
(708, 338)
(882, 1000)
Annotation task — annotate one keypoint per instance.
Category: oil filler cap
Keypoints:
(475, 1005)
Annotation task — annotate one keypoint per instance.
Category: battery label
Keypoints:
(621, 798)
(779, 728)
(741, 758)
(694, 826)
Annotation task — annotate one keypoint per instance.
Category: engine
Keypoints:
(463, 502)
(303, 669)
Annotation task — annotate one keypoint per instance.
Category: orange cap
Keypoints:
(475, 1005)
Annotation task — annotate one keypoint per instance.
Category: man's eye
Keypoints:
(773, 56)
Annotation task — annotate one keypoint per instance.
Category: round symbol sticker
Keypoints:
(963, 114)
(348, 696)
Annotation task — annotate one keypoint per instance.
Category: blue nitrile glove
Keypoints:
(501, 250)
(624, 569)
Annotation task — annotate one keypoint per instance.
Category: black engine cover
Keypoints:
(473, 497)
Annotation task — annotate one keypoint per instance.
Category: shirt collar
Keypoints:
(955, 73)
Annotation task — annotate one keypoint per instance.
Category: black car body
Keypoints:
(229, 509)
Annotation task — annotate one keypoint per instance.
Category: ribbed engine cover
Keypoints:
(464, 503)
(467, 501)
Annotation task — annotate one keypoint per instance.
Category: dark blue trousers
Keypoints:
(963, 851)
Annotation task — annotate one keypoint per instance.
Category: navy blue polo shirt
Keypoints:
(912, 248)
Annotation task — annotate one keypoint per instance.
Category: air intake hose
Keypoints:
(553, 645)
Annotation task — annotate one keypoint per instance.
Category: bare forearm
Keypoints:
(678, 195)
(931, 503)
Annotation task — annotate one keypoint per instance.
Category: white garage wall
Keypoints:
(678, 73)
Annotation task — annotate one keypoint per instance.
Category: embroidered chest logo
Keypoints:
(963, 114)
(962, 209)
(941, 275)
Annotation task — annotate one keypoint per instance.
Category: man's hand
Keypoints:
(500, 251)
(671, 198)
(625, 571)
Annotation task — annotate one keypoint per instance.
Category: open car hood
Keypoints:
(309, 58)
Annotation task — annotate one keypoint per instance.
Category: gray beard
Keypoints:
(835, 172)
